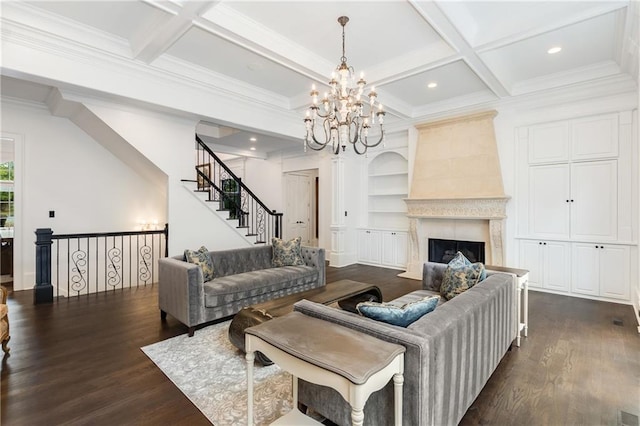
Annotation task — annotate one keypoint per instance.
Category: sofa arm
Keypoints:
(315, 257)
(180, 290)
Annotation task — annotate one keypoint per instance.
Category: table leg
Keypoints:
(250, 358)
(526, 307)
(357, 416)
(398, 380)
(519, 313)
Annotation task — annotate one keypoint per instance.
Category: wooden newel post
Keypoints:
(43, 290)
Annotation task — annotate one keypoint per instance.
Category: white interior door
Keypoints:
(297, 216)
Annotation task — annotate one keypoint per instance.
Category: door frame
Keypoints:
(313, 205)
(19, 280)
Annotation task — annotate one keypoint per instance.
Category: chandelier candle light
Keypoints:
(343, 115)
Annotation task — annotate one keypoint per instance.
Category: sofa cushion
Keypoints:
(398, 315)
(287, 253)
(245, 259)
(460, 275)
(234, 288)
(201, 258)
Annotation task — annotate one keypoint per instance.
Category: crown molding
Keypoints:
(59, 28)
(203, 93)
(591, 72)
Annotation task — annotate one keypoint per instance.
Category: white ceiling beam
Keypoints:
(431, 13)
(153, 39)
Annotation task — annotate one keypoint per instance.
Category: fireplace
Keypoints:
(442, 251)
(468, 205)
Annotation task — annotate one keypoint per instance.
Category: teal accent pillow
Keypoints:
(201, 258)
(460, 276)
(401, 316)
(287, 253)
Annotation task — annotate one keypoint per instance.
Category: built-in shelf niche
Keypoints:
(387, 188)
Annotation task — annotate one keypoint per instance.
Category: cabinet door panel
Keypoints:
(549, 143)
(585, 278)
(388, 248)
(374, 247)
(531, 259)
(363, 246)
(368, 246)
(548, 195)
(557, 266)
(594, 137)
(614, 271)
(594, 211)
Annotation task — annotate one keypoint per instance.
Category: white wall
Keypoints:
(169, 142)
(65, 170)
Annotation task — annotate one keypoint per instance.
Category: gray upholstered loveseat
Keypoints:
(450, 353)
(242, 277)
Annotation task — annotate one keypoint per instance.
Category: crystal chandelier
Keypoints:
(342, 114)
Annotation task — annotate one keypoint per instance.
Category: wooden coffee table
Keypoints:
(346, 292)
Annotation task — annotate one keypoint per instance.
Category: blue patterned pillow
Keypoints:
(201, 258)
(460, 276)
(287, 253)
(401, 316)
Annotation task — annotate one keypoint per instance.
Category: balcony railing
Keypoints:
(70, 265)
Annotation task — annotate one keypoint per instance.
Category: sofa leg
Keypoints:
(163, 315)
(192, 330)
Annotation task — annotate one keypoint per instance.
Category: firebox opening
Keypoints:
(442, 251)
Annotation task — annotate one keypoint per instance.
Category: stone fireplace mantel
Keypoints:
(458, 208)
(491, 209)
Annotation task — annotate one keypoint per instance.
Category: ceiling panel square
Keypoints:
(221, 56)
(584, 44)
(482, 22)
(453, 80)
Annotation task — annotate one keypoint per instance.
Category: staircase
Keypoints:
(231, 199)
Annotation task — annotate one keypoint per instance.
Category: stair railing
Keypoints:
(223, 186)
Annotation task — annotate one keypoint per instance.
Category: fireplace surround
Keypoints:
(456, 188)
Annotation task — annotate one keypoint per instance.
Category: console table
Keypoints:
(353, 363)
(521, 281)
(346, 293)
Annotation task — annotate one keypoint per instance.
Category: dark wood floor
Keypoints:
(79, 362)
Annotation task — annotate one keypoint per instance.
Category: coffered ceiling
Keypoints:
(477, 53)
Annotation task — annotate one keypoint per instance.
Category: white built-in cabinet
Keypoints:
(600, 270)
(394, 248)
(574, 231)
(548, 263)
(383, 247)
(577, 200)
(369, 246)
(384, 239)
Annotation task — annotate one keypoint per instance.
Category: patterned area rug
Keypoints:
(212, 373)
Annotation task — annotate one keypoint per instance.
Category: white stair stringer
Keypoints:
(223, 215)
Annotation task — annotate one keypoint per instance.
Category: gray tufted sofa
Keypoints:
(242, 277)
(450, 352)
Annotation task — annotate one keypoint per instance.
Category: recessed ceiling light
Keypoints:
(432, 85)
(554, 49)
(253, 139)
(253, 148)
